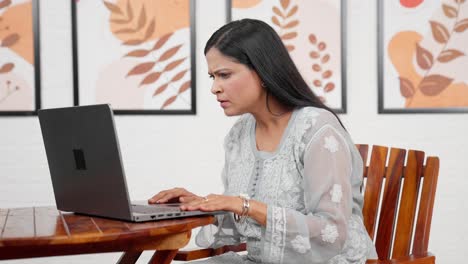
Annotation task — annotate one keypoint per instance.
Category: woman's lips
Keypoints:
(224, 104)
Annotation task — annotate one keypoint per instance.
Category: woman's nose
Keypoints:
(215, 89)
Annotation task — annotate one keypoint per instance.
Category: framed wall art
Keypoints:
(19, 57)
(136, 55)
(422, 58)
(313, 31)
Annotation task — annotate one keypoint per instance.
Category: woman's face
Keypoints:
(236, 86)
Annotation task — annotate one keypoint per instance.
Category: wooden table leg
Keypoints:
(129, 257)
(163, 257)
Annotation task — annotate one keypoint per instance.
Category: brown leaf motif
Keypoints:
(278, 12)
(178, 76)
(169, 53)
(10, 40)
(449, 11)
(329, 87)
(173, 64)
(185, 86)
(284, 3)
(5, 3)
(327, 74)
(138, 53)
(314, 54)
(150, 30)
(151, 78)
(161, 89)
(433, 85)
(439, 32)
(7, 67)
(141, 68)
(424, 57)
(406, 88)
(449, 55)
(290, 35)
(291, 24)
(313, 39)
(292, 11)
(162, 41)
(133, 42)
(113, 8)
(461, 25)
(169, 101)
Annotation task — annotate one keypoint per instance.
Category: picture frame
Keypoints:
(421, 57)
(137, 56)
(20, 71)
(319, 51)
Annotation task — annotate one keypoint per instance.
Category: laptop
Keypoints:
(86, 166)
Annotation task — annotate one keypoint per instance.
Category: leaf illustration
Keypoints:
(439, 32)
(161, 89)
(7, 67)
(151, 78)
(119, 21)
(292, 11)
(5, 3)
(317, 83)
(185, 86)
(169, 101)
(173, 64)
(424, 57)
(461, 25)
(138, 53)
(327, 74)
(406, 88)
(448, 55)
(141, 19)
(329, 87)
(322, 46)
(113, 8)
(129, 16)
(141, 68)
(434, 84)
(124, 31)
(133, 42)
(290, 35)
(290, 47)
(449, 11)
(284, 4)
(313, 39)
(10, 40)
(178, 76)
(150, 30)
(316, 67)
(169, 53)
(278, 12)
(325, 58)
(275, 21)
(161, 41)
(314, 54)
(291, 24)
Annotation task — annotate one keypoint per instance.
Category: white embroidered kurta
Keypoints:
(311, 186)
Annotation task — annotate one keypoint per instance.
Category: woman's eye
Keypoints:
(211, 76)
(224, 75)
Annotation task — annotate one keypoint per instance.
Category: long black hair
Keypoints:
(257, 45)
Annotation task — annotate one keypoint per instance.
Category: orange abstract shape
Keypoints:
(18, 18)
(411, 3)
(402, 51)
(137, 21)
(245, 3)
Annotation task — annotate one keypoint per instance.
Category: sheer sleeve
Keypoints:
(319, 234)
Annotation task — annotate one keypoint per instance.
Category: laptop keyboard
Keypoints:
(151, 209)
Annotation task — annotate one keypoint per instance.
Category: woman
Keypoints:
(292, 175)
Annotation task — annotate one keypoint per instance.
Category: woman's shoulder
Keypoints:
(239, 126)
(316, 117)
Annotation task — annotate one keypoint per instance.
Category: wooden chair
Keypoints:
(400, 231)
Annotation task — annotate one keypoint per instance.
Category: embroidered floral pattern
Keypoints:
(301, 244)
(336, 193)
(331, 144)
(329, 233)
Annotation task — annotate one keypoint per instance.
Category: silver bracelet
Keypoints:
(245, 209)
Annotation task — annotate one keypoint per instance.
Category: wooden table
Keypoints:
(45, 231)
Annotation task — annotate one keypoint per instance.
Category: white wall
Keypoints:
(166, 151)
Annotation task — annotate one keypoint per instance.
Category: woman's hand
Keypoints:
(213, 202)
(174, 195)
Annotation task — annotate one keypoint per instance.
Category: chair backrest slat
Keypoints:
(408, 203)
(396, 223)
(423, 225)
(389, 204)
(375, 174)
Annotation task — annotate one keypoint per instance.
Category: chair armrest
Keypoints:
(427, 258)
(207, 252)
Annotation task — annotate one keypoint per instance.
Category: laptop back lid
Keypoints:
(84, 161)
